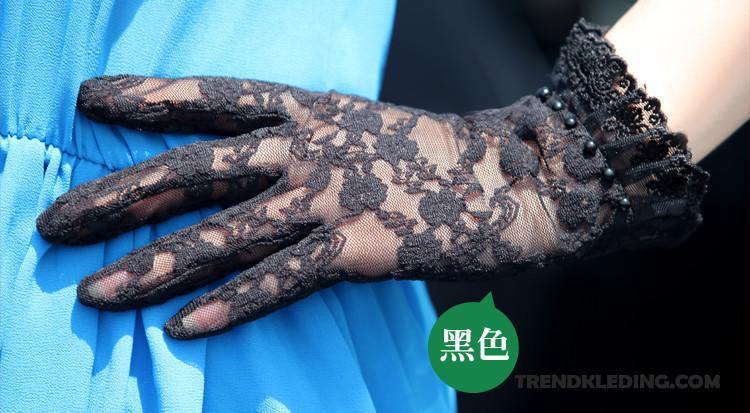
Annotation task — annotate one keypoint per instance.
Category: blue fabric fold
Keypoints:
(352, 347)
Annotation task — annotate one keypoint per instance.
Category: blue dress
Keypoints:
(353, 347)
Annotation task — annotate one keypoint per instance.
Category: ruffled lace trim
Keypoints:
(652, 163)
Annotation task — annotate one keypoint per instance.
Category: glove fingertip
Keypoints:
(199, 320)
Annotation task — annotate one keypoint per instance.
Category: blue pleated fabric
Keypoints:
(353, 347)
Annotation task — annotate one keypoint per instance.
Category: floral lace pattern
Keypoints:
(652, 163)
(324, 187)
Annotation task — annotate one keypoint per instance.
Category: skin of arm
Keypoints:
(695, 57)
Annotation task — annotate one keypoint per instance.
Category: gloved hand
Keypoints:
(328, 187)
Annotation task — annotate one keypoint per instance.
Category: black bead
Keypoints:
(624, 202)
(555, 104)
(543, 92)
(608, 173)
(589, 147)
(570, 122)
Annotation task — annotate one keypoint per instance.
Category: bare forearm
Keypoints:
(695, 57)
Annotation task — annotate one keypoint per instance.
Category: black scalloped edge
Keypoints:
(596, 86)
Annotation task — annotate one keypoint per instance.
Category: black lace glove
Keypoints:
(331, 187)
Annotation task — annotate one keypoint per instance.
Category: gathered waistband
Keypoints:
(108, 146)
(50, 151)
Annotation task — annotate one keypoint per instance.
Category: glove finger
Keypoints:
(216, 105)
(281, 279)
(225, 171)
(180, 262)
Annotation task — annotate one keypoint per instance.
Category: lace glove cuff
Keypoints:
(662, 188)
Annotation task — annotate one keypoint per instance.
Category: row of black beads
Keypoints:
(545, 94)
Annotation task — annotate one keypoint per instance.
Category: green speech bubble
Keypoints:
(473, 347)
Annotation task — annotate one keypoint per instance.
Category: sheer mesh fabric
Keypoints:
(325, 187)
